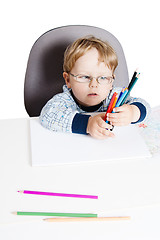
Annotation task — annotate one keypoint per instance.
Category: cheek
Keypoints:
(110, 87)
(78, 91)
(106, 90)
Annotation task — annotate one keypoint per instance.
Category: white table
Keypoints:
(129, 188)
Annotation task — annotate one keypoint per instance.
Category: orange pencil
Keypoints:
(110, 105)
(90, 219)
(114, 102)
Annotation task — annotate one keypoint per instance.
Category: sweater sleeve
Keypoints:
(143, 111)
(79, 124)
(143, 106)
(58, 113)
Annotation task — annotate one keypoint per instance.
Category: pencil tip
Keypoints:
(15, 213)
(20, 191)
(138, 75)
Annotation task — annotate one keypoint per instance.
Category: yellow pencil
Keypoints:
(82, 219)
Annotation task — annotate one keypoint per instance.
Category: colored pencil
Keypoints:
(115, 101)
(109, 109)
(123, 89)
(86, 219)
(130, 87)
(132, 80)
(79, 215)
(119, 103)
(59, 194)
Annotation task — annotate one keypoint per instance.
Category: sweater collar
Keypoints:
(86, 108)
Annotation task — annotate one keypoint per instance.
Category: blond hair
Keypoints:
(82, 45)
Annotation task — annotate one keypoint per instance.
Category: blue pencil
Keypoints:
(121, 98)
(131, 86)
(123, 89)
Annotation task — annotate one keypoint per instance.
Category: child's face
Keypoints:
(91, 93)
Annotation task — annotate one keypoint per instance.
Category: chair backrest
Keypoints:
(44, 77)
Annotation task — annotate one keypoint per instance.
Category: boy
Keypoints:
(89, 65)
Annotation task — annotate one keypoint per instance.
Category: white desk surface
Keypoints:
(129, 188)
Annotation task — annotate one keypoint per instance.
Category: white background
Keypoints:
(134, 23)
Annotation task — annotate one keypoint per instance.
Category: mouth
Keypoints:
(92, 94)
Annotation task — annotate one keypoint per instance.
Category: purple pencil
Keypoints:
(58, 194)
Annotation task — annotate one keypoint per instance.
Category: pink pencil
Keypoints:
(58, 194)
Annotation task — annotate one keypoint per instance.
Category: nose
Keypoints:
(93, 83)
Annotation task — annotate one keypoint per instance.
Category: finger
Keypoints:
(117, 124)
(99, 135)
(105, 132)
(115, 116)
(119, 109)
(116, 120)
(102, 124)
(120, 123)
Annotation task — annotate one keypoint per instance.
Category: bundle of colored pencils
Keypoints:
(116, 100)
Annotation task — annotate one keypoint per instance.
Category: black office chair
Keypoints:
(44, 78)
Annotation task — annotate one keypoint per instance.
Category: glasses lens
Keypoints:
(83, 78)
(105, 80)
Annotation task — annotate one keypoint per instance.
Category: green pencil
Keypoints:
(130, 88)
(56, 214)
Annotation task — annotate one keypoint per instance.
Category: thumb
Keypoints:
(118, 109)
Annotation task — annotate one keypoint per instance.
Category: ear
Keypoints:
(67, 80)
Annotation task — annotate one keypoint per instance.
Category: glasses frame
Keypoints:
(91, 78)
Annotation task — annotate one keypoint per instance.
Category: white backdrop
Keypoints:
(134, 23)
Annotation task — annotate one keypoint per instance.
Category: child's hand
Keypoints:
(98, 128)
(124, 115)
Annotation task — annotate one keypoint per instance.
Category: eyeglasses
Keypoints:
(87, 79)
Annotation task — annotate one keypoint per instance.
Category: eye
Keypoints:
(85, 77)
(103, 78)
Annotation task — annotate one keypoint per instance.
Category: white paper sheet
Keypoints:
(49, 148)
